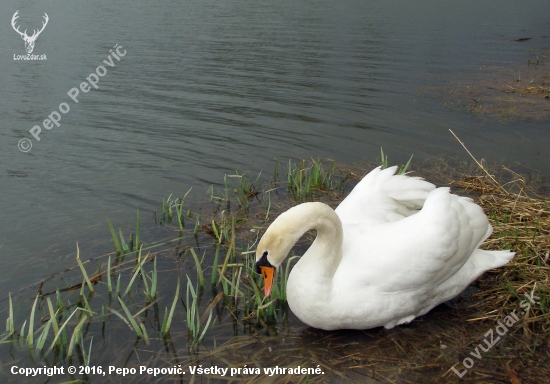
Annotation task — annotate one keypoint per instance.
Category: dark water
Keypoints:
(209, 87)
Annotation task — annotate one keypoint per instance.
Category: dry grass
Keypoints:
(505, 93)
(520, 216)
(538, 90)
(521, 222)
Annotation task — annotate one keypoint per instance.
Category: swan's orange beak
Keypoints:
(267, 273)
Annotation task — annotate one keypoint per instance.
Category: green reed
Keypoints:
(308, 181)
(401, 170)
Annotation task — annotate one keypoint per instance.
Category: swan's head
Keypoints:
(273, 248)
(286, 230)
(266, 269)
(269, 257)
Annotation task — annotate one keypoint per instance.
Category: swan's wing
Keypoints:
(381, 196)
(418, 252)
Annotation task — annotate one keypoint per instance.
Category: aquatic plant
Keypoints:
(401, 170)
(309, 181)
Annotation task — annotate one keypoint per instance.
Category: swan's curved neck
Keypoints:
(324, 255)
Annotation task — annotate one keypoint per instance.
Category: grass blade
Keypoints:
(136, 273)
(199, 266)
(30, 336)
(117, 292)
(166, 326)
(205, 327)
(115, 239)
(403, 169)
(53, 319)
(125, 246)
(60, 333)
(10, 321)
(154, 280)
(109, 283)
(133, 322)
(43, 336)
(88, 282)
(76, 334)
(215, 266)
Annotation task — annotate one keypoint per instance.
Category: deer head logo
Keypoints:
(29, 40)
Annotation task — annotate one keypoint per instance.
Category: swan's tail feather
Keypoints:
(485, 260)
(479, 262)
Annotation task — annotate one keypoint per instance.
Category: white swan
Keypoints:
(379, 260)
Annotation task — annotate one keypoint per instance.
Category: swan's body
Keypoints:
(378, 260)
